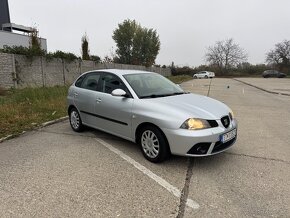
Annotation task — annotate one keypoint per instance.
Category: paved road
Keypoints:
(277, 85)
(253, 177)
(54, 172)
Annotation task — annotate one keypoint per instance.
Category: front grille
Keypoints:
(199, 148)
(225, 121)
(219, 146)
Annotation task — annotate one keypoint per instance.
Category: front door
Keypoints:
(114, 113)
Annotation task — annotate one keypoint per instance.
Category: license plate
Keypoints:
(228, 136)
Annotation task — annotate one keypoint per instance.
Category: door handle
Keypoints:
(76, 94)
(98, 100)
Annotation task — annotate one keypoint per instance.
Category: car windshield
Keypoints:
(151, 85)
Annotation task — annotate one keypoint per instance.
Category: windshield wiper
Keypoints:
(178, 93)
(163, 95)
(152, 96)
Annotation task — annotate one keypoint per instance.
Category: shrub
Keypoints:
(36, 51)
(95, 58)
(28, 52)
(63, 55)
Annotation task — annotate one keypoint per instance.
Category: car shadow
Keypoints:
(133, 149)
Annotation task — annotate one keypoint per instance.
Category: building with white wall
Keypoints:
(15, 39)
(8, 36)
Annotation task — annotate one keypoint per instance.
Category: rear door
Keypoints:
(85, 95)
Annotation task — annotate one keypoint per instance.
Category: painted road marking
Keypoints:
(175, 191)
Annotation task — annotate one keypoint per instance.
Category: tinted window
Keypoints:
(91, 81)
(110, 82)
(78, 83)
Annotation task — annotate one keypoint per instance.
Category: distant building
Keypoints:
(10, 38)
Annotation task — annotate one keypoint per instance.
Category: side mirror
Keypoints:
(119, 93)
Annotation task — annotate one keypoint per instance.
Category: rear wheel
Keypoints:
(206, 77)
(75, 120)
(153, 144)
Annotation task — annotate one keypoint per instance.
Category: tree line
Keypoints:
(228, 57)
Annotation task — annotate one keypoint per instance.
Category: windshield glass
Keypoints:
(151, 85)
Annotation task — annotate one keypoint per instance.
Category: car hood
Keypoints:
(190, 105)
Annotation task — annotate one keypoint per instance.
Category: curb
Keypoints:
(265, 90)
(38, 127)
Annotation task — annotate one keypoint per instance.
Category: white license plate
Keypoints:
(228, 136)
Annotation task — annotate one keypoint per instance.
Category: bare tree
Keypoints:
(280, 55)
(225, 54)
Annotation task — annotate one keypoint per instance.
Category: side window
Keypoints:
(110, 82)
(91, 81)
(78, 83)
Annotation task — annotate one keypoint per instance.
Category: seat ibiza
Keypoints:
(146, 108)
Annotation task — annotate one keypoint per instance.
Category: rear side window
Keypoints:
(78, 83)
(91, 81)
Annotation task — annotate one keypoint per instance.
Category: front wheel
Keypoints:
(75, 120)
(153, 144)
(206, 77)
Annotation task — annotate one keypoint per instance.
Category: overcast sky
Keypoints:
(185, 27)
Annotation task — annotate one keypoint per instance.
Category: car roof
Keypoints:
(120, 72)
(205, 71)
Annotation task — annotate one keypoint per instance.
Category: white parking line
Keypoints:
(175, 191)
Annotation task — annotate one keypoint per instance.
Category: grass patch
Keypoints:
(180, 79)
(23, 109)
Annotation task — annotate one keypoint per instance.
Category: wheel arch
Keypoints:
(141, 125)
(70, 108)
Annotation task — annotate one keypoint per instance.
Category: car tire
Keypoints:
(75, 120)
(153, 144)
(195, 77)
(206, 76)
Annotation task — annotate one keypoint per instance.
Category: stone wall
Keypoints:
(18, 71)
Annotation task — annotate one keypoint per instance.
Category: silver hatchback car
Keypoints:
(148, 109)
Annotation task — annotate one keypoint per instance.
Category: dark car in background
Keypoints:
(273, 73)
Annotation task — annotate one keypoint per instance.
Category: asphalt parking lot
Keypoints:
(55, 172)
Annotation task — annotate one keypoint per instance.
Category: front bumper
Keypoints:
(199, 142)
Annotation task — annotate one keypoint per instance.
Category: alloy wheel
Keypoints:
(150, 144)
(75, 119)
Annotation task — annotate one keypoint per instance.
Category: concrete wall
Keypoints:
(7, 70)
(18, 71)
(15, 39)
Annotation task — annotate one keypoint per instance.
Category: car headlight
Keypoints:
(195, 124)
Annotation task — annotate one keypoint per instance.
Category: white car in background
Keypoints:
(204, 74)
